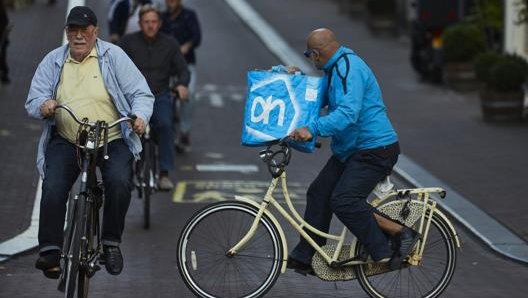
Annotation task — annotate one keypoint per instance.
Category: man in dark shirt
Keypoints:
(182, 23)
(158, 57)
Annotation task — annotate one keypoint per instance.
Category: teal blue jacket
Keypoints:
(357, 117)
(123, 81)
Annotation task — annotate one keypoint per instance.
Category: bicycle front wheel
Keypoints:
(73, 254)
(428, 279)
(205, 240)
(88, 247)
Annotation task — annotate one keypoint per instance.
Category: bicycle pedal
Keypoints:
(92, 269)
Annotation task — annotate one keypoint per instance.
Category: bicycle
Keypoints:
(82, 242)
(146, 173)
(238, 248)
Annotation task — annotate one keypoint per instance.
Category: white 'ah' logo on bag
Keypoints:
(267, 106)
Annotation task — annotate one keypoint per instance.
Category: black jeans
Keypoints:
(342, 188)
(60, 173)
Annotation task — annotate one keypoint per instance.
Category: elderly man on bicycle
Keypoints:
(97, 80)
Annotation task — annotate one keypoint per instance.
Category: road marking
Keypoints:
(246, 169)
(28, 239)
(273, 41)
(216, 100)
(202, 191)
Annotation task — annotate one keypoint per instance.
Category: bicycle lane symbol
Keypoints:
(208, 191)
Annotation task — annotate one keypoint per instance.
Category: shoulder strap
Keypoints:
(342, 77)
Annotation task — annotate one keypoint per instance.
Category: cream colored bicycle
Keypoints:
(238, 248)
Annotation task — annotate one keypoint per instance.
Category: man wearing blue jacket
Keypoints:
(97, 80)
(365, 149)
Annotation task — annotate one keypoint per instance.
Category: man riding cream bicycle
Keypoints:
(97, 80)
(365, 149)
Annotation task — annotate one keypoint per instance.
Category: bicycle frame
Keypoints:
(85, 214)
(298, 223)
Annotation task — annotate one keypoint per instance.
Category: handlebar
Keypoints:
(129, 117)
(91, 139)
(278, 159)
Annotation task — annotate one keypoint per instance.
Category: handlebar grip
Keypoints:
(132, 116)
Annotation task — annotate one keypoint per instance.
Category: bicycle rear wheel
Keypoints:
(205, 240)
(428, 279)
(73, 254)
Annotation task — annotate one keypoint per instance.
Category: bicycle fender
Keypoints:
(275, 222)
(449, 226)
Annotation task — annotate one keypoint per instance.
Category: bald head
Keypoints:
(325, 43)
(319, 38)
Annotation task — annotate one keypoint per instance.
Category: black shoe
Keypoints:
(49, 263)
(299, 267)
(404, 242)
(112, 259)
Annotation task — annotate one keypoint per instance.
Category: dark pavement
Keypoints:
(439, 129)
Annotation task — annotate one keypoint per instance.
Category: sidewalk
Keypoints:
(444, 140)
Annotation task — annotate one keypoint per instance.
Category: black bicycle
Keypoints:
(145, 173)
(82, 242)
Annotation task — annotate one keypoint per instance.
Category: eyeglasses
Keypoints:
(308, 53)
(73, 31)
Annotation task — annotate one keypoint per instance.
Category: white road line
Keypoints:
(273, 41)
(227, 168)
(216, 100)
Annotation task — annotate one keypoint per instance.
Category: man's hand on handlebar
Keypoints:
(138, 126)
(47, 109)
(181, 92)
(301, 134)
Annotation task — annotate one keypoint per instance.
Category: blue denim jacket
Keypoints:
(124, 82)
(357, 118)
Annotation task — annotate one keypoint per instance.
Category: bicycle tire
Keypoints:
(146, 182)
(88, 249)
(73, 256)
(428, 279)
(207, 270)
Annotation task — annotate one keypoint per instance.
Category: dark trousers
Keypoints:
(60, 173)
(163, 125)
(342, 188)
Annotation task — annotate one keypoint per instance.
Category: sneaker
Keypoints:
(49, 263)
(299, 267)
(164, 184)
(112, 259)
(404, 242)
(184, 143)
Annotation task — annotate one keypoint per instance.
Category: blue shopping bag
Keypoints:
(277, 103)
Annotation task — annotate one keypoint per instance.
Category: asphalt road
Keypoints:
(228, 51)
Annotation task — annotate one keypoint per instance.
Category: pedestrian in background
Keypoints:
(158, 57)
(98, 81)
(182, 23)
(119, 12)
(5, 28)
